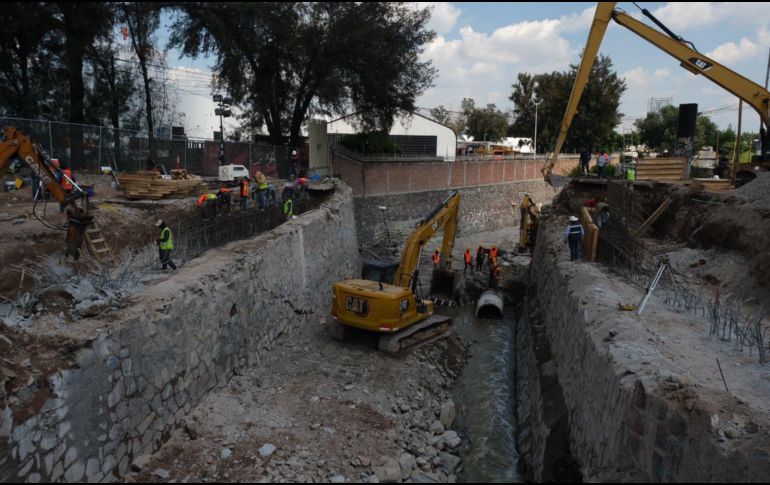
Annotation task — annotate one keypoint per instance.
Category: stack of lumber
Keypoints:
(713, 185)
(670, 170)
(150, 185)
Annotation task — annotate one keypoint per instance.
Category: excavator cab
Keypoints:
(380, 271)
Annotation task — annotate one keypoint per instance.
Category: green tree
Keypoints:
(82, 23)
(280, 60)
(143, 20)
(597, 115)
(29, 47)
(658, 130)
(487, 123)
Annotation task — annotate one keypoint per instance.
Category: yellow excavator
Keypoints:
(385, 300)
(16, 145)
(692, 60)
(528, 223)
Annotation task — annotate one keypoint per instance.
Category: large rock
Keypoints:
(447, 415)
(436, 427)
(92, 308)
(407, 463)
(448, 462)
(389, 471)
(267, 450)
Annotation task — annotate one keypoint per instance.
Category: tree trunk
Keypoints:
(115, 113)
(148, 111)
(77, 92)
(137, 41)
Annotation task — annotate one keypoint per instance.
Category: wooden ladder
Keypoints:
(97, 244)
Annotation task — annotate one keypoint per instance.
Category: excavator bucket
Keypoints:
(76, 230)
(443, 283)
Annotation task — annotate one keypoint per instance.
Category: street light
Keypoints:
(536, 102)
(223, 111)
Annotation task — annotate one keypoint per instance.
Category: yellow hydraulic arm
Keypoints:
(690, 59)
(444, 216)
(15, 144)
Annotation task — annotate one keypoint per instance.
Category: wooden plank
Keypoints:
(653, 217)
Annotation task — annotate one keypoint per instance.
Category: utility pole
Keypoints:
(536, 102)
(737, 151)
(223, 111)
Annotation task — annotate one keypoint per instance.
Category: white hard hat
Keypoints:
(159, 223)
(573, 219)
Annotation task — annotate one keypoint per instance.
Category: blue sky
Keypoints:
(481, 47)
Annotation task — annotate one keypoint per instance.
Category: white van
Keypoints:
(229, 173)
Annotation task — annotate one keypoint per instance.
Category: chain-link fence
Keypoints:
(127, 150)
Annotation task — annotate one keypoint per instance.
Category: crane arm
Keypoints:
(750, 92)
(695, 62)
(598, 28)
(444, 216)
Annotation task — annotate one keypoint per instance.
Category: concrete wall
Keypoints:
(627, 418)
(481, 209)
(184, 337)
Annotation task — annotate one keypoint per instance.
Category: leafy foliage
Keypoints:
(281, 61)
(374, 142)
(598, 111)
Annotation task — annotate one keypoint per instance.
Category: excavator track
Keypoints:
(433, 327)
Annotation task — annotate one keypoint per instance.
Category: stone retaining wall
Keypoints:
(630, 414)
(482, 209)
(157, 359)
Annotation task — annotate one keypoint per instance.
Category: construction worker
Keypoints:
(165, 244)
(468, 258)
(223, 198)
(207, 205)
(493, 253)
(244, 185)
(494, 277)
(480, 253)
(288, 208)
(303, 183)
(436, 259)
(67, 179)
(574, 236)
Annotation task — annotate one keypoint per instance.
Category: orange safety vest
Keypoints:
(493, 253)
(436, 258)
(245, 189)
(468, 257)
(65, 182)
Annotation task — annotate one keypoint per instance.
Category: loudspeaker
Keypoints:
(688, 113)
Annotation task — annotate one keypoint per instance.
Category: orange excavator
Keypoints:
(16, 145)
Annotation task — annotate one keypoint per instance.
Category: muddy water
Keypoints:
(484, 393)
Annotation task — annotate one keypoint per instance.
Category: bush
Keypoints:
(372, 143)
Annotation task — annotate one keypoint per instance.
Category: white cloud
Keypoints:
(443, 16)
(639, 77)
(680, 16)
(730, 53)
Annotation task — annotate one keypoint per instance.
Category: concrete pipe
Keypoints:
(490, 305)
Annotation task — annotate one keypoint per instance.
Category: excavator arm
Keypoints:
(15, 145)
(444, 216)
(750, 92)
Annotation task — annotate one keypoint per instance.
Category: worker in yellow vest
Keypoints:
(165, 244)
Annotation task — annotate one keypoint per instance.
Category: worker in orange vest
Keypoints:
(436, 259)
(66, 180)
(244, 193)
(493, 252)
(468, 260)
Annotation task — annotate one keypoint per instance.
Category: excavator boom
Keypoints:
(15, 145)
(750, 92)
